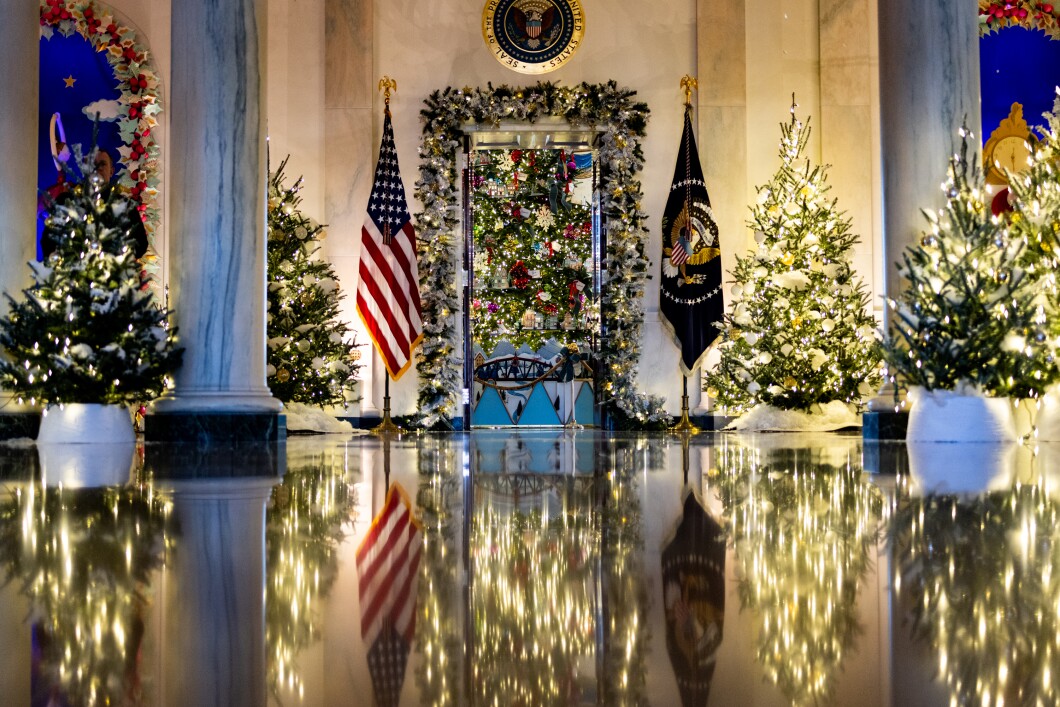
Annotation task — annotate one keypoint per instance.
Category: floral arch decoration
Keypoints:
(620, 122)
(138, 105)
(995, 15)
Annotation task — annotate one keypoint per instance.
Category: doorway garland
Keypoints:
(620, 122)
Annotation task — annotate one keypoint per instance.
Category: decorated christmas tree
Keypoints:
(311, 351)
(88, 330)
(1035, 219)
(799, 333)
(533, 250)
(975, 315)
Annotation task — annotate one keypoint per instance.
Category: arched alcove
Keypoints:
(94, 63)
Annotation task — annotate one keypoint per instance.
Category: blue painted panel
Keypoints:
(584, 410)
(539, 409)
(490, 410)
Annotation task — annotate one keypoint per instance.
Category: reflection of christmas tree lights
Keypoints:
(625, 588)
(84, 559)
(533, 592)
(539, 547)
(304, 526)
(439, 636)
(802, 531)
(981, 577)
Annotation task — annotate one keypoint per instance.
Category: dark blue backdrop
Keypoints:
(1021, 65)
(62, 57)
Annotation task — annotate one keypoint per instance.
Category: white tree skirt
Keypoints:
(306, 418)
(820, 418)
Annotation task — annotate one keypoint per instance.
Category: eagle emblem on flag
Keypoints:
(690, 297)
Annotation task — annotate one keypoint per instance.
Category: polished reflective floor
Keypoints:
(531, 568)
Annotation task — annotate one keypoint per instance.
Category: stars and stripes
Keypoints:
(388, 294)
(679, 252)
(387, 566)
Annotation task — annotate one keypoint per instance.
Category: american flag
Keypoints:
(388, 561)
(679, 253)
(388, 294)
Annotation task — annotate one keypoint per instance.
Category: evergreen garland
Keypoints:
(621, 120)
(800, 332)
(88, 330)
(311, 350)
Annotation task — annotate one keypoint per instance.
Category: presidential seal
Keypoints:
(533, 36)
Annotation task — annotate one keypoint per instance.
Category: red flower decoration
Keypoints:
(516, 156)
(519, 275)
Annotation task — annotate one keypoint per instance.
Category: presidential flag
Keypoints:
(388, 294)
(388, 561)
(690, 299)
(693, 580)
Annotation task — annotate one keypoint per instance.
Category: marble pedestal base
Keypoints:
(884, 425)
(19, 424)
(214, 427)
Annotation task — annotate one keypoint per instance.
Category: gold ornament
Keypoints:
(283, 375)
(790, 382)
(712, 392)
(796, 321)
(788, 259)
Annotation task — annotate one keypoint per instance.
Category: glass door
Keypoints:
(534, 236)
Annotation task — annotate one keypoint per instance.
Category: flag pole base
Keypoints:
(387, 426)
(685, 424)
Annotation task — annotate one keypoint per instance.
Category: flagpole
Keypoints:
(689, 84)
(387, 426)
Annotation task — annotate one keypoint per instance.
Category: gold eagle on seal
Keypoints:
(692, 240)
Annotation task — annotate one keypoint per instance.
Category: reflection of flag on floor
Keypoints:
(690, 297)
(693, 576)
(388, 562)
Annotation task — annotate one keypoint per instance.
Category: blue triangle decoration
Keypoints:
(584, 409)
(539, 410)
(490, 411)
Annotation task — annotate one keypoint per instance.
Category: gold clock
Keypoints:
(1009, 147)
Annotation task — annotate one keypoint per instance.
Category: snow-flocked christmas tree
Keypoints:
(799, 333)
(975, 315)
(88, 330)
(311, 351)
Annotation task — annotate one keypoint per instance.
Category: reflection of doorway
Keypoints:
(533, 237)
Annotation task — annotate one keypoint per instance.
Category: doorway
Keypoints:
(533, 242)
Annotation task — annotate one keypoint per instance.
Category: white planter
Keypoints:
(86, 465)
(86, 423)
(961, 469)
(947, 416)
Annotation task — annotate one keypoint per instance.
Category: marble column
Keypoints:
(214, 625)
(19, 85)
(721, 65)
(929, 85)
(217, 224)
